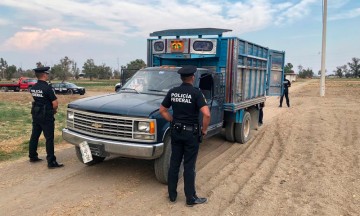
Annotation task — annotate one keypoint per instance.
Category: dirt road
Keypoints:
(304, 160)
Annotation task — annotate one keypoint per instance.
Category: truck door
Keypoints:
(207, 81)
(275, 74)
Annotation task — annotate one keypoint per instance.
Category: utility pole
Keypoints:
(323, 52)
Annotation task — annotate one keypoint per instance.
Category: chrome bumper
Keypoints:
(125, 149)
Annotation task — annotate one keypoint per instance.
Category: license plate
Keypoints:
(85, 152)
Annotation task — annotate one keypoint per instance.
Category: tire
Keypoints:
(17, 89)
(162, 164)
(70, 92)
(5, 89)
(230, 131)
(96, 159)
(243, 130)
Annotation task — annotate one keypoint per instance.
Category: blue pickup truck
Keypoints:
(234, 75)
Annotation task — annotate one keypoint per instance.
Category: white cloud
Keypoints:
(295, 12)
(337, 3)
(119, 18)
(4, 22)
(346, 15)
(37, 39)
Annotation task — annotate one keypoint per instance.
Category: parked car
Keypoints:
(67, 88)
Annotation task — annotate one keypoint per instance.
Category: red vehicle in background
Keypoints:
(24, 83)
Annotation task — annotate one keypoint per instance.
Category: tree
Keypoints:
(65, 64)
(305, 73)
(354, 67)
(136, 64)
(288, 68)
(340, 71)
(39, 65)
(61, 71)
(76, 70)
(55, 71)
(116, 74)
(9, 72)
(90, 69)
(104, 72)
(3, 67)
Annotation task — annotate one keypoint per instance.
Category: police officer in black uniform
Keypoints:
(186, 102)
(286, 84)
(44, 107)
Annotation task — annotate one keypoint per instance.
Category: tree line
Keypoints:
(68, 68)
(349, 70)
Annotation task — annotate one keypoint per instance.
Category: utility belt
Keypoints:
(185, 127)
(194, 128)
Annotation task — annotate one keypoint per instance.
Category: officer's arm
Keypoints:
(55, 105)
(206, 118)
(165, 113)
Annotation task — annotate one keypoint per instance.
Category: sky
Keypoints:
(114, 32)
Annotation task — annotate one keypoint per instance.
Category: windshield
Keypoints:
(32, 80)
(71, 85)
(153, 80)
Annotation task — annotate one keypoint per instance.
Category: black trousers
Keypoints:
(48, 127)
(185, 145)
(286, 94)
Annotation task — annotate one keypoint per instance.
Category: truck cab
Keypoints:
(232, 74)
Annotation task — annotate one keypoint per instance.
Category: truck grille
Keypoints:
(103, 126)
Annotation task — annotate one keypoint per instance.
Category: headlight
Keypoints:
(70, 115)
(144, 126)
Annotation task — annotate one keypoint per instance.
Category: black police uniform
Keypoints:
(43, 119)
(186, 102)
(286, 84)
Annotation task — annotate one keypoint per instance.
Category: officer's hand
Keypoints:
(204, 132)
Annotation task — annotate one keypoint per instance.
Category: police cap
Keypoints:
(186, 71)
(42, 70)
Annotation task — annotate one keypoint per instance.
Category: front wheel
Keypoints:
(70, 92)
(96, 159)
(243, 130)
(162, 164)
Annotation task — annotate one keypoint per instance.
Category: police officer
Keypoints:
(186, 102)
(44, 107)
(286, 84)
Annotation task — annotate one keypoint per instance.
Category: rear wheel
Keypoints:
(243, 130)
(17, 89)
(70, 92)
(230, 131)
(96, 159)
(4, 89)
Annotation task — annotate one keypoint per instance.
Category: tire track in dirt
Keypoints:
(244, 198)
